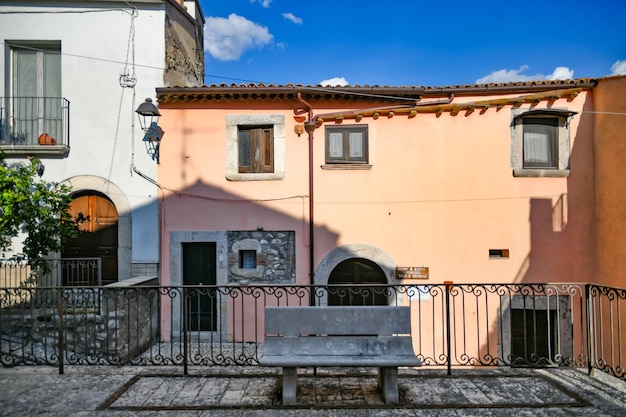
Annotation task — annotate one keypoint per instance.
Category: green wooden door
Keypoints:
(357, 271)
(199, 270)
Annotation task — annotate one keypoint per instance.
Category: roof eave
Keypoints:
(261, 92)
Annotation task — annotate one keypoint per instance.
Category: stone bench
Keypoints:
(334, 336)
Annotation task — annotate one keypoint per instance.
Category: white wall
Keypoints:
(105, 137)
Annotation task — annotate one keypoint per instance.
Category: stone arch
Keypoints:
(117, 196)
(356, 250)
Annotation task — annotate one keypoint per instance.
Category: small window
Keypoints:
(346, 145)
(256, 149)
(533, 336)
(498, 253)
(540, 142)
(264, 133)
(247, 259)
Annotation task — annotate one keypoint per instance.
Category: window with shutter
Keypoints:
(256, 149)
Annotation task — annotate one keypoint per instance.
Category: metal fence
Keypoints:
(573, 325)
(18, 272)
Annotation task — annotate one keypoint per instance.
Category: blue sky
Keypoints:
(411, 42)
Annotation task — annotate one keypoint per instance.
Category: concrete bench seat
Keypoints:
(333, 336)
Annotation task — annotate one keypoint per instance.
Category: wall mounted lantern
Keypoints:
(149, 115)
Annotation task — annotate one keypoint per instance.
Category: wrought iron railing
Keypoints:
(607, 329)
(34, 121)
(19, 272)
(453, 325)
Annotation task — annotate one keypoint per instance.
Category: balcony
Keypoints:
(34, 125)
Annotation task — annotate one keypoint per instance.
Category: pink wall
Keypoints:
(440, 193)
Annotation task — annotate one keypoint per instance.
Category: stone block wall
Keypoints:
(116, 322)
(275, 257)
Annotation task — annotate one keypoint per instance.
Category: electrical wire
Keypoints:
(113, 61)
(117, 9)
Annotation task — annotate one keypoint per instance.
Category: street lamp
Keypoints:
(148, 115)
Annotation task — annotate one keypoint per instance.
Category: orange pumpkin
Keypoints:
(46, 139)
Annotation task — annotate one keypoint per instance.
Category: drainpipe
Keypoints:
(309, 126)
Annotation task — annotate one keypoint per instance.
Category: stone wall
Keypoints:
(275, 257)
(116, 322)
(132, 316)
(184, 48)
(145, 269)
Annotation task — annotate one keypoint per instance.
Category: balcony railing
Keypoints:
(41, 123)
(464, 325)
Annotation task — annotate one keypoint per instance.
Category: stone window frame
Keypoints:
(563, 116)
(247, 273)
(233, 122)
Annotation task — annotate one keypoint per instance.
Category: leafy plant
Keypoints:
(37, 208)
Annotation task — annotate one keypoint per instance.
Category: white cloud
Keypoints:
(561, 73)
(264, 3)
(514, 75)
(336, 81)
(228, 39)
(294, 19)
(619, 68)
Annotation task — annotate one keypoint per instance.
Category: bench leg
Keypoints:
(388, 384)
(289, 386)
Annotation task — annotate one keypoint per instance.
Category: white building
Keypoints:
(73, 73)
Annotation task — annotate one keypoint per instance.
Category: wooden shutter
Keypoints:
(256, 150)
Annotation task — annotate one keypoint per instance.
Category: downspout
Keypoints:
(309, 126)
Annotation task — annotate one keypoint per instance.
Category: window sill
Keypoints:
(545, 173)
(35, 149)
(255, 177)
(347, 166)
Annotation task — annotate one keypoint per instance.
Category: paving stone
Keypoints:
(253, 392)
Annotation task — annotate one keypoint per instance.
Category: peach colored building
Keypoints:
(507, 183)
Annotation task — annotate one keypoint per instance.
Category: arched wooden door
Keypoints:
(97, 237)
(357, 271)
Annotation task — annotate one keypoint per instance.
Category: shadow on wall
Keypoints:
(213, 237)
(562, 250)
(562, 232)
(236, 223)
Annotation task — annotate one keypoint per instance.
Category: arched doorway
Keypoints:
(98, 233)
(357, 271)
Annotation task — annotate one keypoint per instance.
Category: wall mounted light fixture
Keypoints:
(149, 115)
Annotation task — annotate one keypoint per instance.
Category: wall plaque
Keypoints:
(412, 272)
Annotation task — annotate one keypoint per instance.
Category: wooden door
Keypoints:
(357, 271)
(200, 269)
(97, 237)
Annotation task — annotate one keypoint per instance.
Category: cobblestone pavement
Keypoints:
(105, 391)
